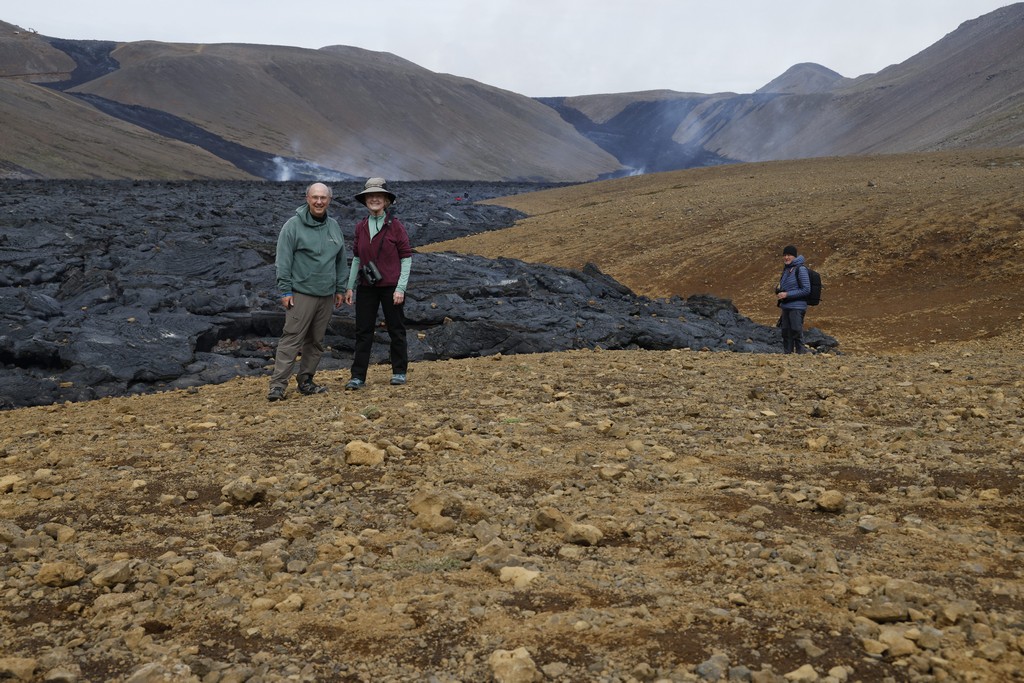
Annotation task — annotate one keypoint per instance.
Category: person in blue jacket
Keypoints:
(791, 295)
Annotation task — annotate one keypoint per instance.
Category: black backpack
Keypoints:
(814, 298)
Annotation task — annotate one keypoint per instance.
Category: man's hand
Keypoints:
(287, 301)
(339, 299)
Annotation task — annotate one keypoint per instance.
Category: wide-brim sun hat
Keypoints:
(375, 186)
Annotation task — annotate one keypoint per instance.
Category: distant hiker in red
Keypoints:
(791, 296)
(381, 263)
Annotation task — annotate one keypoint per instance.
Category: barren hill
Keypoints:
(337, 107)
(803, 79)
(279, 113)
(912, 248)
(342, 109)
(46, 134)
(966, 90)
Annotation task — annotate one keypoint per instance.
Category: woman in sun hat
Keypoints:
(381, 263)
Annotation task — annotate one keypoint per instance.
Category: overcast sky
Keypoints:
(543, 48)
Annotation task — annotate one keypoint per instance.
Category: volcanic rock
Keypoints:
(110, 288)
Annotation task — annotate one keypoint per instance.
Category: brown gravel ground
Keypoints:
(589, 515)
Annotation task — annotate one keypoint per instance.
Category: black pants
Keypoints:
(792, 323)
(368, 301)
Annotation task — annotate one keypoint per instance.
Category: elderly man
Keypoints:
(312, 274)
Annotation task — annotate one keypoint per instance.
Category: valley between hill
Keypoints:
(587, 515)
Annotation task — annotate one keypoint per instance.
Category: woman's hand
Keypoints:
(399, 298)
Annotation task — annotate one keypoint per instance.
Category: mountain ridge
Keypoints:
(385, 115)
(964, 91)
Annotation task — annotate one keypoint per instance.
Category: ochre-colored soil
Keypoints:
(912, 249)
(588, 515)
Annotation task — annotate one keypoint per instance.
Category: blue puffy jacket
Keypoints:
(796, 283)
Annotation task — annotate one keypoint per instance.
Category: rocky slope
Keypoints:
(580, 516)
(602, 516)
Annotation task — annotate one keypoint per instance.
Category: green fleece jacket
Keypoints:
(311, 256)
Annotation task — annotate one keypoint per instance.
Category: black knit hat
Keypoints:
(790, 250)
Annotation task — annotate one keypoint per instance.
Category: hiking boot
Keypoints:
(398, 378)
(307, 387)
(276, 394)
(355, 383)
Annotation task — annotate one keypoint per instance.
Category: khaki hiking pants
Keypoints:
(305, 324)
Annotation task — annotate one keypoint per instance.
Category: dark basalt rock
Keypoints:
(116, 287)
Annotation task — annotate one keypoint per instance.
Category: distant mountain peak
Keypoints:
(804, 79)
